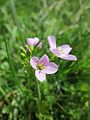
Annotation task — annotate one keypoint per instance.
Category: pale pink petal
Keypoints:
(65, 48)
(52, 41)
(39, 45)
(55, 51)
(36, 40)
(44, 59)
(32, 41)
(40, 75)
(51, 68)
(33, 62)
(69, 57)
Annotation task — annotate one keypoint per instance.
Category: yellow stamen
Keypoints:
(40, 66)
(61, 51)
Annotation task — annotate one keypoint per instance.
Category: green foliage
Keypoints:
(64, 96)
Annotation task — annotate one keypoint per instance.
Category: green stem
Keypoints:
(39, 93)
(14, 76)
(14, 15)
(2, 91)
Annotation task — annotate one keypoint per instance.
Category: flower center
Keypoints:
(61, 51)
(40, 66)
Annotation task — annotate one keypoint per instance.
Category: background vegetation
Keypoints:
(65, 95)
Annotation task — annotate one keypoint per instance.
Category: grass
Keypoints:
(65, 95)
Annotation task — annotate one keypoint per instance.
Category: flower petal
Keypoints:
(66, 48)
(32, 41)
(40, 75)
(44, 59)
(52, 41)
(39, 45)
(36, 40)
(34, 61)
(55, 51)
(69, 57)
(51, 68)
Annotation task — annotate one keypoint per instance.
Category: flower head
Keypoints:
(32, 41)
(42, 67)
(61, 51)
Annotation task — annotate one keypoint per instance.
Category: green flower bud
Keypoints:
(23, 55)
(22, 49)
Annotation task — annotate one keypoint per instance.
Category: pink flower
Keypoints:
(32, 41)
(61, 51)
(39, 45)
(42, 67)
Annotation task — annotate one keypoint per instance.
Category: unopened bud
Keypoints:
(28, 50)
(22, 49)
(39, 45)
(23, 55)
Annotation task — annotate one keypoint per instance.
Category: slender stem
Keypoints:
(14, 15)
(61, 107)
(13, 8)
(2, 91)
(38, 88)
(10, 63)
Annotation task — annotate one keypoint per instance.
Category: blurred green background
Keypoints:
(65, 95)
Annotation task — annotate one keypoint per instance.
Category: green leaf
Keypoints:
(6, 109)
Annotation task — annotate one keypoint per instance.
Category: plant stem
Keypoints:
(14, 15)
(2, 91)
(39, 93)
(14, 76)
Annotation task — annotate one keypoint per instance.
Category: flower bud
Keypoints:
(22, 49)
(39, 45)
(23, 55)
(28, 50)
(32, 41)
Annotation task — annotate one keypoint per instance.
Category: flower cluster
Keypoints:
(43, 66)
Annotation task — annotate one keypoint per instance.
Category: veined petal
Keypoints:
(40, 75)
(44, 59)
(55, 51)
(65, 48)
(34, 61)
(52, 41)
(32, 41)
(51, 68)
(69, 57)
